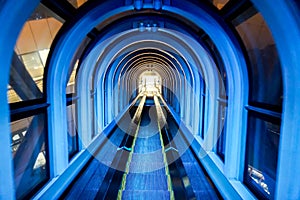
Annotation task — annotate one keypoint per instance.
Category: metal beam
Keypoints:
(27, 154)
(235, 8)
(22, 82)
(93, 34)
(62, 8)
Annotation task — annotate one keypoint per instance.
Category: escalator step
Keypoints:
(143, 145)
(141, 167)
(147, 144)
(137, 167)
(146, 182)
(156, 156)
(146, 194)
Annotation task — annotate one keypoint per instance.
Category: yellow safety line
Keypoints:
(161, 115)
(137, 114)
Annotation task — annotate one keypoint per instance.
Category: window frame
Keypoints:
(25, 109)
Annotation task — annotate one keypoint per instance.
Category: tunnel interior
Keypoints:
(92, 90)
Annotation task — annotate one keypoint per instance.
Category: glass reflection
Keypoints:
(265, 69)
(29, 151)
(74, 66)
(72, 131)
(30, 55)
(261, 156)
(221, 143)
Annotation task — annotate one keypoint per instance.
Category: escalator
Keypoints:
(147, 177)
(142, 166)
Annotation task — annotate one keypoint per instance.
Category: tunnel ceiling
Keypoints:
(112, 47)
(137, 23)
(170, 52)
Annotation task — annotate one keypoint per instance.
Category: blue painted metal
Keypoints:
(280, 17)
(237, 78)
(283, 21)
(138, 4)
(64, 48)
(8, 36)
(58, 186)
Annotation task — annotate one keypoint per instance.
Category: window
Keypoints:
(265, 104)
(25, 82)
(72, 130)
(221, 143)
(74, 66)
(265, 70)
(222, 100)
(94, 124)
(29, 138)
(29, 149)
(34, 65)
(262, 154)
(71, 82)
(31, 52)
(202, 106)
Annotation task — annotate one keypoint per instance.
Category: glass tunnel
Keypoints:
(150, 99)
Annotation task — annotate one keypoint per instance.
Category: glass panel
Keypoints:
(203, 96)
(72, 131)
(77, 3)
(265, 69)
(220, 3)
(34, 65)
(261, 156)
(12, 95)
(74, 65)
(221, 143)
(30, 55)
(29, 151)
(94, 129)
(221, 68)
(43, 55)
(71, 83)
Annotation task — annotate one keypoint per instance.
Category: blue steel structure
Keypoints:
(237, 101)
